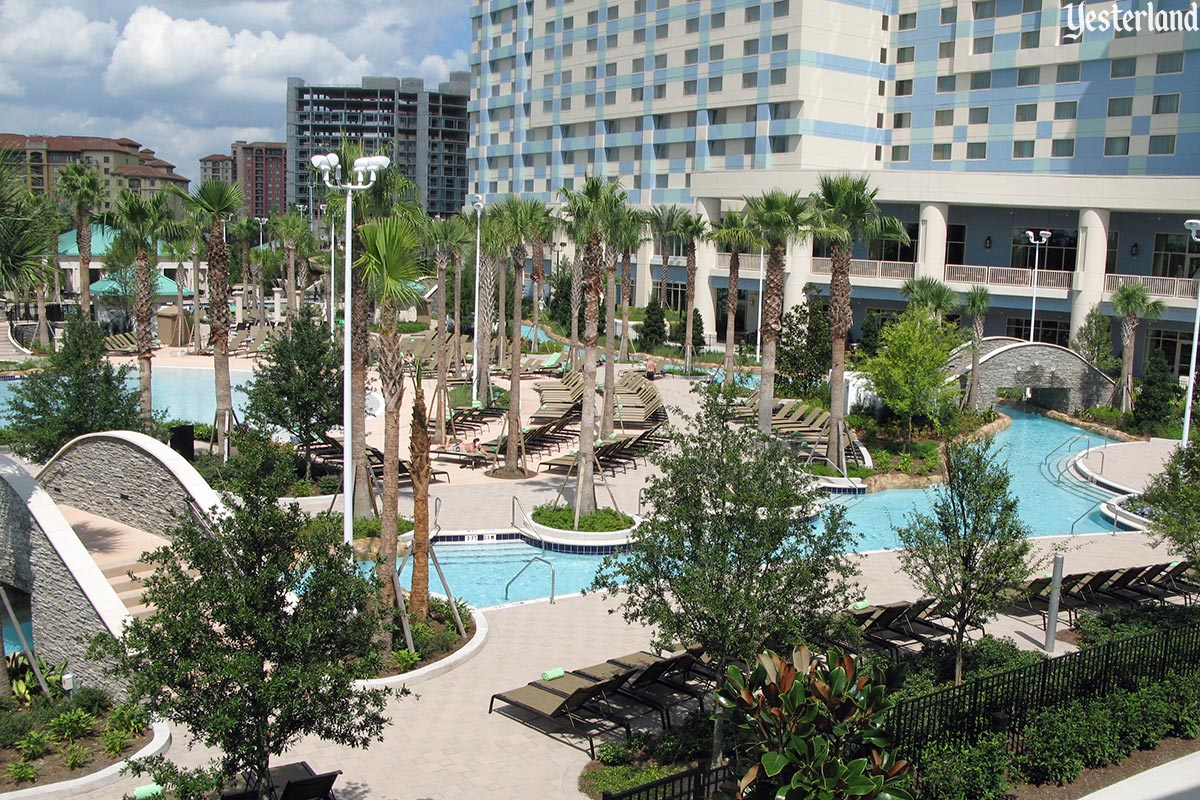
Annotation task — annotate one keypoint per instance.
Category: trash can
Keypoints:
(183, 440)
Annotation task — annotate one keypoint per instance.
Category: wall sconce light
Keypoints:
(987, 243)
(1133, 251)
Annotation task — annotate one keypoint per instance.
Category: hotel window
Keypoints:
(750, 47)
(1059, 252)
(977, 115)
(610, 70)
(946, 83)
(1123, 67)
(945, 49)
(610, 98)
(1171, 256)
(592, 45)
(749, 80)
(779, 42)
(589, 101)
(1049, 331)
(610, 41)
(1026, 112)
(692, 25)
(1023, 149)
(716, 147)
(1166, 104)
(589, 74)
(1068, 35)
(981, 80)
(1120, 106)
(949, 15)
(550, 27)
(1067, 73)
(976, 150)
(902, 120)
(879, 120)
(1062, 148)
(985, 9)
(956, 243)
(689, 88)
(717, 21)
(779, 144)
(715, 84)
(593, 17)
(1030, 39)
(900, 152)
(639, 35)
(612, 13)
(779, 76)
(1029, 76)
(943, 116)
(879, 152)
(904, 88)
(717, 116)
(882, 88)
(982, 45)
(781, 8)
(1066, 109)
(691, 56)
(907, 21)
(716, 52)
(1029, 6)
(1162, 145)
(1116, 146)
(884, 21)
(660, 91)
(1125, 33)
(883, 55)
(660, 61)
(1175, 345)
(1168, 63)
(662, 31)
(639, 65)
(753, 14)
(941, 151)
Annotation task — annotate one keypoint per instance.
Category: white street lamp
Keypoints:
(1193, 226)
(477, 203)
(262, 223)
(1042, 237)
(365, 171)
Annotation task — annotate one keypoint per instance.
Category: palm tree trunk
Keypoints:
(196, 344)
(840, 319)
(439, 338)
(662, 281)
(218, 315)
(391, 378)
(610, 366)
(585, 488)
(142, 308)
(731, 315)
(691, 304)
(1128, 335)
(360, 343)
(178, 305)
(626, 295)
(419, 599)
(772, 312)
(973, 399)
(539, 277)
(83, 224)
(43, 327)
(483, 336)
(512, 455)
(293, 303)
(458, 348)
(501, 313)
(576, 298)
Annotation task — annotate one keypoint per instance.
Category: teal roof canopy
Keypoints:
(165, 287)
(102, 240)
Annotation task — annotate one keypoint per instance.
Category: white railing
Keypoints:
(1156, 285)
(1008, 276)
(859, 268)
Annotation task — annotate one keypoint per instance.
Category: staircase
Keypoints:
(128, 588)
(8, 350)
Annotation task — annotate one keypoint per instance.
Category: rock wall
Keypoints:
(1059, 378)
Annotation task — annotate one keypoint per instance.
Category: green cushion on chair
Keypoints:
(148, 791)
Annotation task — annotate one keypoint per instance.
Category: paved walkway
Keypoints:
(1128, 466)
(1175, 780)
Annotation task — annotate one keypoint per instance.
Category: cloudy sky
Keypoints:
(187, 78)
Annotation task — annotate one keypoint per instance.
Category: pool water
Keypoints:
(1034, 447)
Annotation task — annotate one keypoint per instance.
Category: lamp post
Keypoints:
(1042, 238)
(330, 282)
(478, 204)
(365, 172)
(1193, 226)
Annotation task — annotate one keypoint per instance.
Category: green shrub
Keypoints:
(623, 777)
(330, 484)
(429, 641)
(405, 659)
(22, 772)
(76, 756)
(954, 771)
(92, 700)
(33, 746)
(905, 464)
(563, 518)
(13, 728)
(926, 451)
(129, 718)
(1123, 622)
(367, 527)
(115, 742)
(1150, 716)
(1184, 689)
(301, 488)
(71, 725)
(614, 753)
(1052, 745)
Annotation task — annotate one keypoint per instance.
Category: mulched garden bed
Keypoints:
(1091, 780)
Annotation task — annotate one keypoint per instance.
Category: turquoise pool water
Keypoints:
(1034, 447)
(185, 393)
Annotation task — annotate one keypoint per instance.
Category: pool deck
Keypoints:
(1127, 467)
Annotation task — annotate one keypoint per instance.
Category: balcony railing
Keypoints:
(859, 268)
(1156, 285)
(1008, 276)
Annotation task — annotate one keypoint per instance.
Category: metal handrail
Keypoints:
(516, 504)
(522, 572)
(1067, 443)
(435, 527)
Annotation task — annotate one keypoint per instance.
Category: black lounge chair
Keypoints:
(1168, 583)
(315, 787)
(580, 711)
(653, 683)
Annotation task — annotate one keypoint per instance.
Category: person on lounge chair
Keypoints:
(649, 368)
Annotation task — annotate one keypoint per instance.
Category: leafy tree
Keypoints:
(262, 624)
(1157, 397)
(805, 347)
(872, 328)
(734, 233)
(973, 549)
(558, 307)
(907, 373)
(728, 552)
(652, 331)
(1132, 303)
(297, 386)
(1173, 503)
(1094, 341)
(814, 728)
(77, 392)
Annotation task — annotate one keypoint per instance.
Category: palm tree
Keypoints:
(844, 213)
(391, 265)
(214, 201)
(492, 253)
(246, 231)
(290, 229)
(778, 217)
(591, 210)
(628, 233)
(544, 230)
(22, 245)
(465, 238)
(979, 301)
(692, 229)
(520, 222)
(79, 184)
(1132, 302)
(143, 220)
(192, 230)
(929, 293)
(445, 237)
(735, 233)
(664, 222)
(47, 219)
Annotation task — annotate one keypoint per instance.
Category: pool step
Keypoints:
(128, 581)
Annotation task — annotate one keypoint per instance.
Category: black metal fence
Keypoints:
(697, 783)
(1005, 701)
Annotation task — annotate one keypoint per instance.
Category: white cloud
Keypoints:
(57, 39)
(9, 85)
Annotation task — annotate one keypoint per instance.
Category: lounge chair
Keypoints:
(579, 711)
(653, 684)
(1168, 583)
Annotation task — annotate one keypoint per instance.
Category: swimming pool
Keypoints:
(1035, 448)
(184, 393)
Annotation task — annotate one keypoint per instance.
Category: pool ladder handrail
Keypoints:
(521, 572)
(1067, 443)
(531, 531)
(1094, 506)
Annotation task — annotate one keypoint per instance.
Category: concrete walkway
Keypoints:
(1175, 780)
(1127, 467)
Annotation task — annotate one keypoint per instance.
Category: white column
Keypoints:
(931, 249)
(239, 308)
(706, 259)
(645, 281)
(797, 272)
(277, 312)
(1089, 264)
